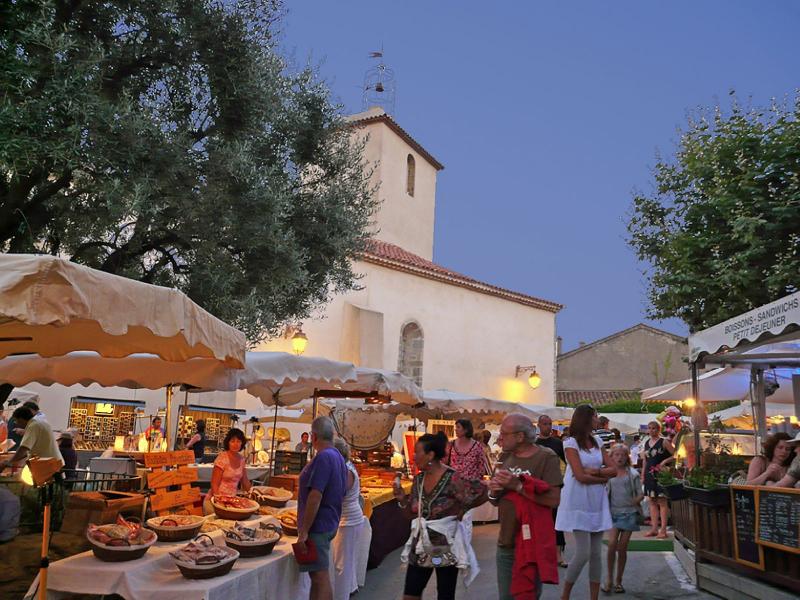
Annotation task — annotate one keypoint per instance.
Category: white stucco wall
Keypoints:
(473, 341)
(402, 219)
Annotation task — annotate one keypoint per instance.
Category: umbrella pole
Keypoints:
(47, 491)
(274, 429)
(169, 417)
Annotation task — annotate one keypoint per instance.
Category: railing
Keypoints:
(712, 534)
(683, 521)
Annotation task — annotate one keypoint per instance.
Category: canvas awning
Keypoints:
(51, 307)
(455, 404)
(744, 411)
(759, 324)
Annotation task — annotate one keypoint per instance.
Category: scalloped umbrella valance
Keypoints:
(51, 306)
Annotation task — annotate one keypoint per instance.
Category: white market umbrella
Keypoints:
(448, 402)
(718, 385)
(389, 384)
(51, 306)
(744, 411)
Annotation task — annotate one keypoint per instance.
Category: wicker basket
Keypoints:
(234, 514)
(251, 549)
(275, 502)
(178, 533)
(119, 553)
(193, 571)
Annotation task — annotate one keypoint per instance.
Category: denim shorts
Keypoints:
(323, 543)
(625, 521)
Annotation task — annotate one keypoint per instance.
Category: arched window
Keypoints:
(409, 361)
(411, 174)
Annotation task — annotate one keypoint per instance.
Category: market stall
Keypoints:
(747, 531)
(218, 422)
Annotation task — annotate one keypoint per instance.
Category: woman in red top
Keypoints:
(467, 457)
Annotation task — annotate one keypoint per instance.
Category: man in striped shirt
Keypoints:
(604, 433)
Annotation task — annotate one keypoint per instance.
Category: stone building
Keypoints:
(442, 328)
(618, 366)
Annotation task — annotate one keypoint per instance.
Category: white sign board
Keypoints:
(772, 318)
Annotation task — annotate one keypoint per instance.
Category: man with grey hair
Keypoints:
(322, 486)
(520, 460)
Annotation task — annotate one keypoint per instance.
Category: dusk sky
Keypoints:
(547, 116)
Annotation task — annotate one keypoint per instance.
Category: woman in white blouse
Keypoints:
(584, 506)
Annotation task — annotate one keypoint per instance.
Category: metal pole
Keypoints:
(275, 399)
(696, 415)
(47, 491)
(761, 407)
(168, 428)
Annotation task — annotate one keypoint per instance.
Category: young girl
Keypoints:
(624, 493)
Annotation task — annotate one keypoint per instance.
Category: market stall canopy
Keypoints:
(743, 413)
(286, 379)
(457, 405)
(136, 371)
(720, 385)
(759, 324)
(628, 422)
(19, 395)
(390, 384)
(51, 307)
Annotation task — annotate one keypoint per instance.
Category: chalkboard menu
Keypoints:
(744, 500)
(779, 518)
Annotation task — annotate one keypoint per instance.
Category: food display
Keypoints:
(234, 507)
(270, 496)
(288, 519)
(252, 541)
(269, 511)
(120, 541)
(176, 528)
(213, 524)
(201, 559)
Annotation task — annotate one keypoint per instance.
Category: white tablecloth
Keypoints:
(155, 577)
(204, 472)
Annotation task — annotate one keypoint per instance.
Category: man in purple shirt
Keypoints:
(323, 483)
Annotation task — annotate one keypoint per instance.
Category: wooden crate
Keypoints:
(171, 481)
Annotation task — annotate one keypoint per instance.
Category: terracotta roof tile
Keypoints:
(395, 257)
(594, 397)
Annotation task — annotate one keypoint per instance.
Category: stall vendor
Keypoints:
(37, 440)
(155, 434)
(229, 472)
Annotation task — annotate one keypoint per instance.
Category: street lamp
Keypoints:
(534, 379)
(299, 342)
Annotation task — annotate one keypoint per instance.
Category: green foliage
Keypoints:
(719, 229)
(700, 477)
(666, 477)
(169, 142)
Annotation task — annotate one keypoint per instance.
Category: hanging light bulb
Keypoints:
(299, 342)
(534, 379)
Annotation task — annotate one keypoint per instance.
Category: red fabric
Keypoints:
(536, 555)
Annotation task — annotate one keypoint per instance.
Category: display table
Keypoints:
(155, 577)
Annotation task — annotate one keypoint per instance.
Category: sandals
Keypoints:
(606, 589)
(618, 589)
(563, 564)
(651, 533)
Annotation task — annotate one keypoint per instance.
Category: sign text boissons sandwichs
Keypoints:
(765, 319)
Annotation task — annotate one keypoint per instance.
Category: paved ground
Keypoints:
(648, 576)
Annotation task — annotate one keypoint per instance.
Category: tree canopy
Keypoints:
(721, 229)
(170, 142)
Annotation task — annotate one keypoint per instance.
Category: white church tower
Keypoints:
(406, 174)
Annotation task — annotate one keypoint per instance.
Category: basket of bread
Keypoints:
(235, 508)
(176, 528)
(288, 519)
(121, 541)
(252, 541)
(201, 559)
(269, 496)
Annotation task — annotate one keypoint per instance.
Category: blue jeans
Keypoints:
(505, 565)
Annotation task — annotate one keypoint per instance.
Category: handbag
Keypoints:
(432, 556)
(309, 556)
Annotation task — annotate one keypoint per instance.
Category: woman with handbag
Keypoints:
(438, 500)
(625, 497)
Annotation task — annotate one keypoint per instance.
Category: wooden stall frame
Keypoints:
(760, 563)
(172, 471)
(771, 544)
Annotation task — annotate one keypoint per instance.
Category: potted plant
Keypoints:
(672, 486)
(707, 488)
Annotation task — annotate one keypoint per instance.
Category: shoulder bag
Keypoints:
(432, 556)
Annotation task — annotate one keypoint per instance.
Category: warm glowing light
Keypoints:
(534, 380)
(689, 403)
(27, 476)
(299, 342)
(119, 443)
(513, 390)
(142, 444)
(681, 453)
